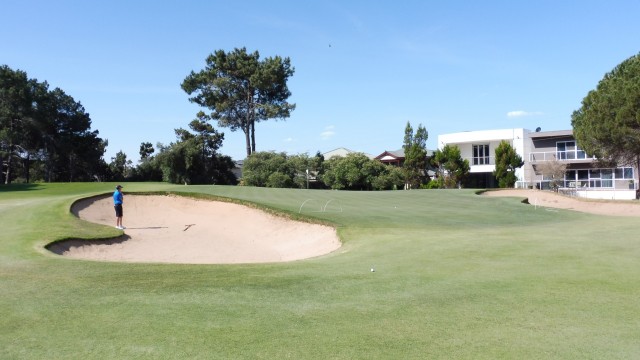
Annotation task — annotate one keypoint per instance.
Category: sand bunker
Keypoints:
(554, 200)
(173, 229)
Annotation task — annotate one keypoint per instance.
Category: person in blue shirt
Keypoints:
(117, 204)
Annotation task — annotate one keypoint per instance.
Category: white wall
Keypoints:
(465, 140)
(607, 194)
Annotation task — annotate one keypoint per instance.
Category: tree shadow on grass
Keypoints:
(19, 187)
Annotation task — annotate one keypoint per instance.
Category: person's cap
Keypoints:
(119, 187)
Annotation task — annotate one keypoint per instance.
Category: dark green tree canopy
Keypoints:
(507, 161)
(146, 150)
(193, 158)
(608, 123)
(240, 90)
(45, 133)
(267, 169)
(279, 170)
(451, 168)
(415, 155)
(120, 166)
(358, 172)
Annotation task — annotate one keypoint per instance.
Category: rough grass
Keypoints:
(457, 276)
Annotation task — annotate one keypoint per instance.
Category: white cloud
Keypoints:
(328, 132)
(521, 113)
(288, 140)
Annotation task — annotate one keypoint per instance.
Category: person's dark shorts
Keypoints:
(118, 210)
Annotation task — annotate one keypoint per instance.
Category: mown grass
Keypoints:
(457, 276)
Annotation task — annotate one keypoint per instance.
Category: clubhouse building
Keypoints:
(582, 175)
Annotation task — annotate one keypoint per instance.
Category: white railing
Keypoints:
(559, 156)
(481, 160)
(592, 184)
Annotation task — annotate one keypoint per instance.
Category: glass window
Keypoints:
(624, 173)
(583, 178)
(583, 175)
(570, 178)
(480, 154)
(607, 177)
(561, 151)
(561, 146)
(569, 150)
(596, 178)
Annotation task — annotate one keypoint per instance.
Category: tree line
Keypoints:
(45, 135)
(444, 169)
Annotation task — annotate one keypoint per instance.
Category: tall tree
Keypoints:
(46, 128)
(148, 168)
(77, 151)
(146, 150)
(507, 161)
(607, 125)
(16, 115)
(240, 90)
(120, 166)
(193, 158)
(451, 168)
(415, 156)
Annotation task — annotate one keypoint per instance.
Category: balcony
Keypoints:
(481, 160)
(481, 164)
(562, 156)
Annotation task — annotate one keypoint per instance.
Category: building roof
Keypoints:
(341, 151)
(391, 155)
(551, 134)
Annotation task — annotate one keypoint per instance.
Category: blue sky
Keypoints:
(363, 69)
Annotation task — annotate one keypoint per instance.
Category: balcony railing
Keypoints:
(592, 184)
(481, 160)
(572, 155)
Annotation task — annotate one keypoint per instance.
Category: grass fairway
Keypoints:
(458, 276)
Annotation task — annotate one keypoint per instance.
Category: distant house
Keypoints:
(342, 152)
(395, 158)
(583, 176)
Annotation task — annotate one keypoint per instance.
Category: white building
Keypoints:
(479, 148)
(583, 177)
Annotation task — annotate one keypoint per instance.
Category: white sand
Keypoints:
(555, 200)
(173, 229)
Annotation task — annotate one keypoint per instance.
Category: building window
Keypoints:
(601, 178)
(568, 150)
(480, 154)
(624, 173)
(596, 178)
